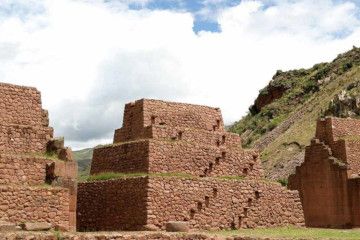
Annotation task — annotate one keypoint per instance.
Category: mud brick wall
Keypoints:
(19, 138)
(145, 112)
(127, 157)
(322, 183)
(24, 170)
(21, 105)
(112, 205)
(198, 160)
(34, 204)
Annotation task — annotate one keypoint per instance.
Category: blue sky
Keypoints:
(90, 57)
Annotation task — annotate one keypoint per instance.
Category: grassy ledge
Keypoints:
(293, 233)
(113, 175)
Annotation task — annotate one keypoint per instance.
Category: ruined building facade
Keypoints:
(188, 169)
(328, 181)
(34, 187)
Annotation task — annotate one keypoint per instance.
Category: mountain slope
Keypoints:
(83, 158)
(283, 118)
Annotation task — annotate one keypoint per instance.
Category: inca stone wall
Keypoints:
(181, 139)
(33, 187)
(328, 180)
(112, 205)
(206, 203)
(24, 125)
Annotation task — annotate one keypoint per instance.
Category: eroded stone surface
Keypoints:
(27, 174)
(328, 180)
(178, 139)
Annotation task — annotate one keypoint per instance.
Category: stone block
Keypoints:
(37, 226)
(177, 226)
(7, 226)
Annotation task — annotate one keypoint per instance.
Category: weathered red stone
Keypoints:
(328, 180)
(176, 139)
(25, 168)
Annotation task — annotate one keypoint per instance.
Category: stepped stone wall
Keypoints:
(206, 203)
(154, 156)
(145, 112)
(174, 139)
(328, 179)
(33, 187)
(23, 123)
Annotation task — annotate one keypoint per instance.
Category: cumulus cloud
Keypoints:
(91, 57)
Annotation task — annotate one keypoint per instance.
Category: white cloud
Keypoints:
(89, 58)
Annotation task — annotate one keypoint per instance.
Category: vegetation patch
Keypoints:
(294, 233)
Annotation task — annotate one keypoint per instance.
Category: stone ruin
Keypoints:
(37, 173)
(178, 163)
(328, 180)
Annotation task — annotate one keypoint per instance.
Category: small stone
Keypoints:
(151, 227)
(7, 226)
(37, 226)
(177, 226)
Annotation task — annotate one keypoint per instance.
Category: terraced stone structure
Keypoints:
(191, 170)
(328, 180)
(33, 186)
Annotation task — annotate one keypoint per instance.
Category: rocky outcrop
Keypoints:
(346, 103)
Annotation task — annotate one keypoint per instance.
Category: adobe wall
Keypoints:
(112, 205)
(146, 112)
(34, 204)
(225, 204)
(155, 156)
(322, 183)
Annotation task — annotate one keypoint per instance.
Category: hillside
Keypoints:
(83, 158)
(283, 118)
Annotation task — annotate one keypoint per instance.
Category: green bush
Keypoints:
(283, 182)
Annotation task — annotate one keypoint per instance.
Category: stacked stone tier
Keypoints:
(33, 187)
(22, 106)
(146, 112)
(199, 136)
(161, 139)
(20, 204)
(32, 169)
(24, 138)
(159, 156)
(206, 203)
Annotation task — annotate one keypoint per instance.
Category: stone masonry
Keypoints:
(34, 186)
(191, 170)
(328, 180)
